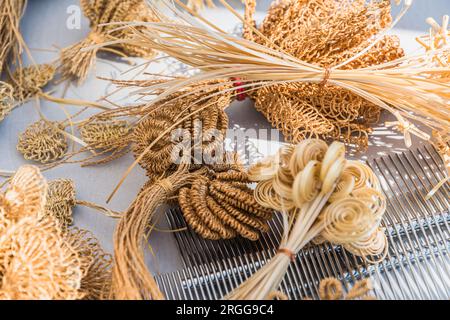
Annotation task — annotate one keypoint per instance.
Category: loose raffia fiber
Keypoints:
(38, 260)
(77, 60)
(11, 40)
(404, 86)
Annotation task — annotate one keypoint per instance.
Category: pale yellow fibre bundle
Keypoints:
(323, 197)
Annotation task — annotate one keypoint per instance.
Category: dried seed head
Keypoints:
(43, 142)
(29, 81)
(60, 201)
(6, 100)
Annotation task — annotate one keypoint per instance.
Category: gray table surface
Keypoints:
(45, 31)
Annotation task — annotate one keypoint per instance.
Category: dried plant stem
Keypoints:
(131, 277)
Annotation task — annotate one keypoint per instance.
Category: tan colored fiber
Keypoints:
(11, 12)
(78, 59)
(43, 141)
(60, 201)
(223, 206)
(6, 100)
(348, 67)
(28, 82)
(322, 197)
(38, 260)
(332, 289)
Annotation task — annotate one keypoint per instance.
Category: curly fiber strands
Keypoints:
(324, 33)
(223, 207)
(323, 197)
(28, 82)
(43, 141)
(6, 100)
(76, 63)
(37, 259)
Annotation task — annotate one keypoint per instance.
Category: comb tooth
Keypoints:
(417, 265)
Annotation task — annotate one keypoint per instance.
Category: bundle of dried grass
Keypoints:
(38, 260)
(198, 5)
(406, 87)
(11, 40)
(323, 197)
(77, 60)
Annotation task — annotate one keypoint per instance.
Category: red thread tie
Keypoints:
(287, 252)
(241, 95)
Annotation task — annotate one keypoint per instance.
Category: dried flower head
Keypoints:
(43, 141)
(6, 100)
(28, 82)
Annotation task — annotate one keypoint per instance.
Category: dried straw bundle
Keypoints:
(10, 38)
(76, 61)
(322, 197)
(324, 33)
(37, 259)
(406, 87)
(131, 278)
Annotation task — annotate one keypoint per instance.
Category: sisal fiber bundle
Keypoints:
(358, 73)
(11, 40)
(322, 197)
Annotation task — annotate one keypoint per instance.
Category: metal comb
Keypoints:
(417, 265)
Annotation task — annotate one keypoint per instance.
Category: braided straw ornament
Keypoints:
(43, 141)
(37, 259)
(323, 197)
(6, 100)
(324, 33)
(222, 207)
(103, 17)
(60, 201)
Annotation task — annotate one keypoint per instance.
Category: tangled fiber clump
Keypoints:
(43, 141)
(223, 206)
(29, 81)
(76, 62)
(6, 100)
(38, 260)
(324, 33)
(60, 201)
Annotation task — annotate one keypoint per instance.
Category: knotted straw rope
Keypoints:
(332, 289)
(37, 259)
(223, 206)
(78, 59)
(323, 197)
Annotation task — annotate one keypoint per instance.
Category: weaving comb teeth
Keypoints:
(417, 265)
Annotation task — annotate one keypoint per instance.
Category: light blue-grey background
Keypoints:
(45, 31)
